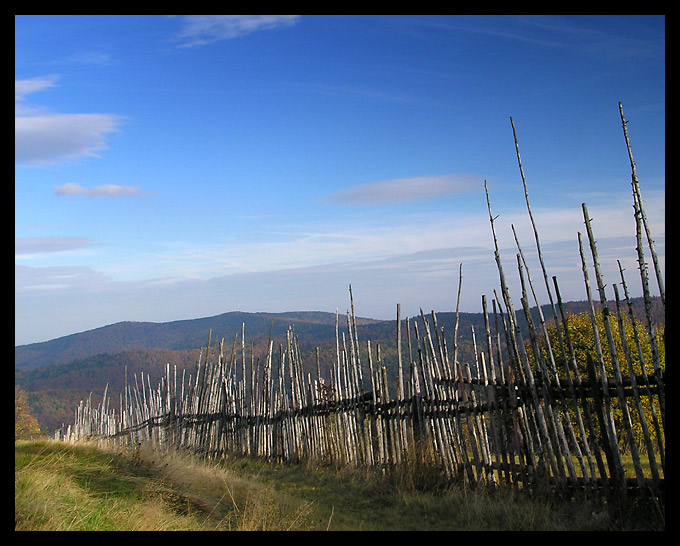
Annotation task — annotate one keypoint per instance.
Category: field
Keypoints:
(61, 486)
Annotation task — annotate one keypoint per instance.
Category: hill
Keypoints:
(177, 335)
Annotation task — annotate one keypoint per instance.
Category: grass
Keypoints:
(61, 486)
(348, 499)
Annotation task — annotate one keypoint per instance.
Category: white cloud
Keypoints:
(28, 246)
(105, 190)
(32, 85)
(73, 278)
(206, 29)
(52, 138)
(42, 138)
(465, 236)
(404, 190)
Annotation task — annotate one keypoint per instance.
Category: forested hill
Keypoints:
(312, 328)
(176, 335)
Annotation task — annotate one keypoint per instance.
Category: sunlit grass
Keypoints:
(61, 486)
(414, 497)
(65, 487)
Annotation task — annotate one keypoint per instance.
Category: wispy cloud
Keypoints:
(415, 235)
(38, 279)
(91, 58)
(206, 29)
(582, 35)
(32, 85)
(27, 246)
(105, 190)
(42, 138)
(404, 190)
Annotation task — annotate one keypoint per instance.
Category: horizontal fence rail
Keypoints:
(523, 412)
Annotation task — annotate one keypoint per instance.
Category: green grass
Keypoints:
(416, 500)
(62, 486)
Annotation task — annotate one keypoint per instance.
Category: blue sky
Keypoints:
(173, 167)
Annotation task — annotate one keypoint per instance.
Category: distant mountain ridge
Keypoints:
(176, 335)
(312, 327)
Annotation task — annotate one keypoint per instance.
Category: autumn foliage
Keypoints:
(632, 350)
(25, 424)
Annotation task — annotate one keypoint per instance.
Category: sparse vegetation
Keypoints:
(60, 486)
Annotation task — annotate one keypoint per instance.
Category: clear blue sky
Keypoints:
(173, 167)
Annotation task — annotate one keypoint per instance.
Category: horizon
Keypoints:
(289, 312)
(170, 167)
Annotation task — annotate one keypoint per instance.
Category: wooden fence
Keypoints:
(509, 416)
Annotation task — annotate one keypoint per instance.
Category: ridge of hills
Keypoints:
(310, 326)
(59, 373)
(178, 335)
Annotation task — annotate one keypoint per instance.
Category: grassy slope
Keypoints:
(79, 487)
(59, 486)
